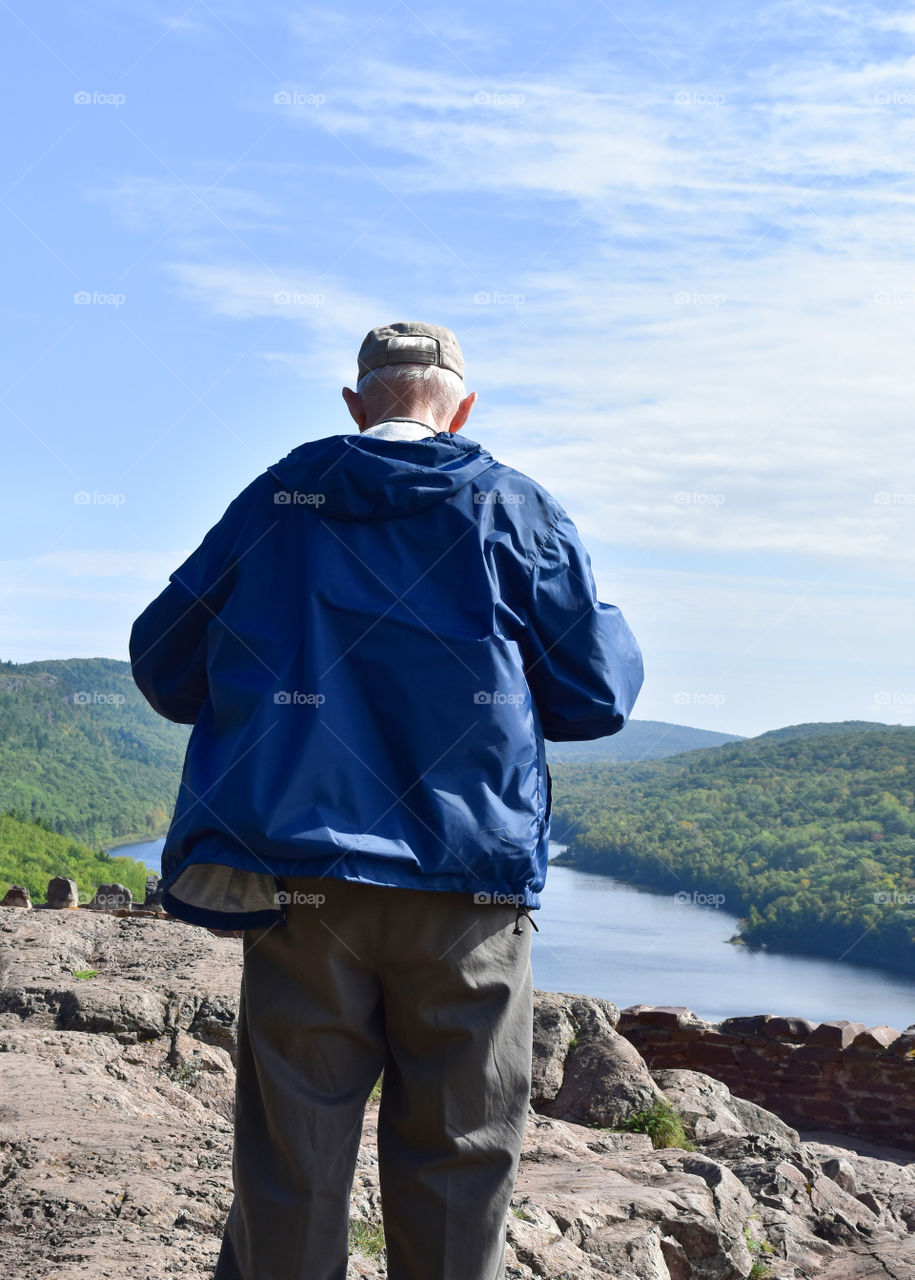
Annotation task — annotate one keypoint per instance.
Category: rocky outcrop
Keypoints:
(582, 1070)
(62, 894)
(111, 896)
(588, 1206)
(811, 1199)
(840, 1076)
(116, 1135)
(17, 895)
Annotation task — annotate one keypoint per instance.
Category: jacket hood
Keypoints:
(357, 477)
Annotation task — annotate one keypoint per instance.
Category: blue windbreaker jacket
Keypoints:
(372, 644)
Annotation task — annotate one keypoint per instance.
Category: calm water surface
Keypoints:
(603, 938)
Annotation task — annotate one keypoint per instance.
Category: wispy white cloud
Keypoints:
(148, 566)
(147, 204)
(720, 305)
(693, 228)
(326, 310)
(759, 410)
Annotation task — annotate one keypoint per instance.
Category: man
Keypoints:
(372, 645)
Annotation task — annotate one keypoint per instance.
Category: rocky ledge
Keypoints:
(116, 1135)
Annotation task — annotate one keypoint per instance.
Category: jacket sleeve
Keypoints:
(168, 642)
(583, 665)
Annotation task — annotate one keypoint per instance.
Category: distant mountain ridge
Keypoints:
(824, 729)
(638, 740)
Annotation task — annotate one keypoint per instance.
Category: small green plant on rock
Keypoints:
(663, 1125)
(85, 973)
(187, 1072)
(760, 1270)
(366, 1238)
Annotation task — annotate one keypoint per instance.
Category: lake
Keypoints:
(601, 937)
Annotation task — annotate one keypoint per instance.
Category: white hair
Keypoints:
(403, 389)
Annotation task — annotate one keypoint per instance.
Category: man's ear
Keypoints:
(463, 412)
(354, 404)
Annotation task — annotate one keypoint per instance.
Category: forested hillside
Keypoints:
(82, 750)
(31, 855)
(808, 832)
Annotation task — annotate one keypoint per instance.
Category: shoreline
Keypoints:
(123, 851)
(129, 841)
(655, 889)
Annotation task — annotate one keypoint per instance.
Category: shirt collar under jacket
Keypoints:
(401, 429)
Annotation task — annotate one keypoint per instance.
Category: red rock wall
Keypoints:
(839, 1076)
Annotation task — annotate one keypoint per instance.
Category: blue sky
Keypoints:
(674, 240)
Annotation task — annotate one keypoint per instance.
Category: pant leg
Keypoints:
(459, 1020)
(310, 1048)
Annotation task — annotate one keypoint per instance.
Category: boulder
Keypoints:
(720, 1122)
(153, 898)
(842, 1173)
(643, 1216)
(107, 1006)
(836, 1035)
(63, 894)
(882, 1178)
(152, 975)
(796, 1029)
(17, 895)
(875, 1039)
(582, 1070)
(112, 897)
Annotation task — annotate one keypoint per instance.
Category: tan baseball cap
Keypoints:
(410, 342)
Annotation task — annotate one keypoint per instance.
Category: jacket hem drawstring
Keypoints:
(524, 911)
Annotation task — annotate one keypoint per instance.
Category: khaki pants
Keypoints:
(436, 990)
